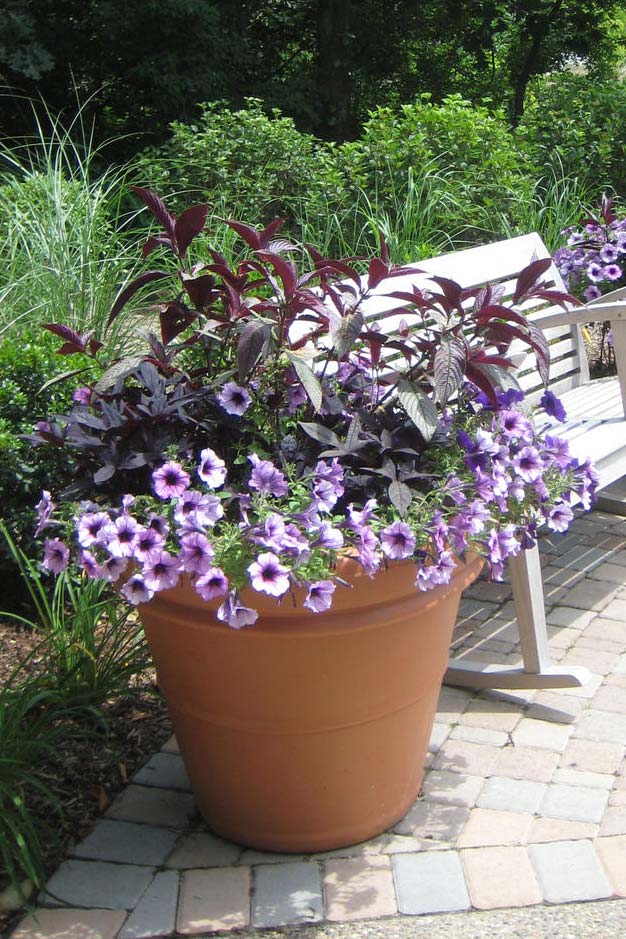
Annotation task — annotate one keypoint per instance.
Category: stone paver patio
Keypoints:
(524, 799)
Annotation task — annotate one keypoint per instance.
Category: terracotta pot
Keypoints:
(307, 732)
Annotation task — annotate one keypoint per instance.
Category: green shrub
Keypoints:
(579, 124)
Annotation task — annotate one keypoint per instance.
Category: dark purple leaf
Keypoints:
(155, 242)
(190, 224)
(158, 209)
(131, 289)
(528, 278)
(173, 319)
(201, 291)
(448, 367)
(253, 340)
(347, 333)
(400, 495)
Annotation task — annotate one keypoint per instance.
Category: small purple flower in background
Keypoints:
(528, 464)
(82, 396)
(357, 517)
(148, 545)
(121, 543)
(592, 292)
(560, 517)
(294, 543)
(557, 450)
(195, 510)
(320, 596)
(234, 613)
(328, 537)
(212, 584)
(113, 568)
(234, 399)
(211, 469)
(397, 540)
(266, 478)
(454, 489)
(506, 399)
(324, 495)
(271, 532)
(595, 272)
(367, 545)
(513, 424)
(56, 556)
(296, 396)
(475, 514)
(613, 272)
(159, 524)
(90, 565)
(609, 252)
(553, 406)
(94, 528)
(136, 590)
(170, 480)
(507, 540)
(44, 508)
(196, 554)
(268, 575)
(162, 573)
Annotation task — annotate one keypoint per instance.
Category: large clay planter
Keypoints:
(307, 732)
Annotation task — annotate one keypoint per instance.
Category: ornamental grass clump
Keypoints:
(270, 428)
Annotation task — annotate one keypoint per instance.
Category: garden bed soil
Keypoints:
(88, 773)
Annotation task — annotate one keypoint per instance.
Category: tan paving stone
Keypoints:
(616, 609)
(554, 707)
(570, 617)
(585, 691)
(606, 726)
(573, 777)
(541, 734)
(500, 877)
(359, 888)
(603, 627)
(560, 829)
(560, 637)
(593, 756)
(610, 698)
(612, 854)
(461, 756)
(614, 821)
(215, 899)
(454, 788)
(602, 645)
(618, 797)
(599, 663)
(526, 763)
(491, 827)
(452, 702)
(494, 738)
(70, 924)
(434, 821)
(409, 844)
(492, 715)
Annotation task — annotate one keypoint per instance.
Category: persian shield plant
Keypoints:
(268, 427)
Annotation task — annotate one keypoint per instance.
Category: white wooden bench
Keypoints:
(595, 427)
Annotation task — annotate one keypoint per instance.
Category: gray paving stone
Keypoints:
(583, 558)
(96, 885)
(511, 795)
(430, 883)
(569, 871)
(575, 803)
(286, 894)
(127, 843)
(601, 725)
(153, 806)
(155, 914)
(202, 849)
(165, 770)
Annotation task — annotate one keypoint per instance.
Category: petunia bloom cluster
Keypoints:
(281, 536)
(594, 258)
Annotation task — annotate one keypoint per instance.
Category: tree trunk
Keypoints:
(537, 31)
(334, 75)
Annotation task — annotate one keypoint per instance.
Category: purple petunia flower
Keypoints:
(296, 396)
(148, 545)
(94, 528)
(212, 584)
(266, 478)
(159, 524)
(328, 537)
(397, 540)
(367, 545)
(592, 292)
(513, 424)
(136, 590)
(528, 464)
(557, 450)
(268, 575)
(82, 396)
(320, 596)
(357, 517)
(56, 556)
(195, 510)
(170, 480)
(613, 272)
(595, 272)
(162, 573)
(44, 508)
(609, 252)
(197, 553)
(121, 543)
(90, 565)
(234, 399)
(553, 406)
(234, 613)
(113, 568)
(211, 469)
(560, 517)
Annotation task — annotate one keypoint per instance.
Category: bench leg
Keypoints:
(537, 670)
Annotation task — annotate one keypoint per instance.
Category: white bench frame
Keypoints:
(501, 262)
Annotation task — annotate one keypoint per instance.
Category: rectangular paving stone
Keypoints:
(569, 871)
(596, 660)
(512, 795)
(359, 888)
(610, 698)
(455, 788)
(603, 627)
(576, 803)
(542, 734)
(165, 770)
(500, 877)
(214, 899)
(529, 763)
(202, 849)
(560, 829)
(569, 617)
(618, 797)
(96, 884)
(493, 715)
(70, 924)
(430, 883)
(452, 702)
(490, 827)
(461, 756)
(614, 821)
(439, 735)
(616, 609)
(583, 558)
(433, 821)
(155, 914)
(601, 725)
(574, 777)
(126, 842)
(590, 595)
(153, 806)
(493, 738)
(612, 854)
(286, 894)
(593, 756)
